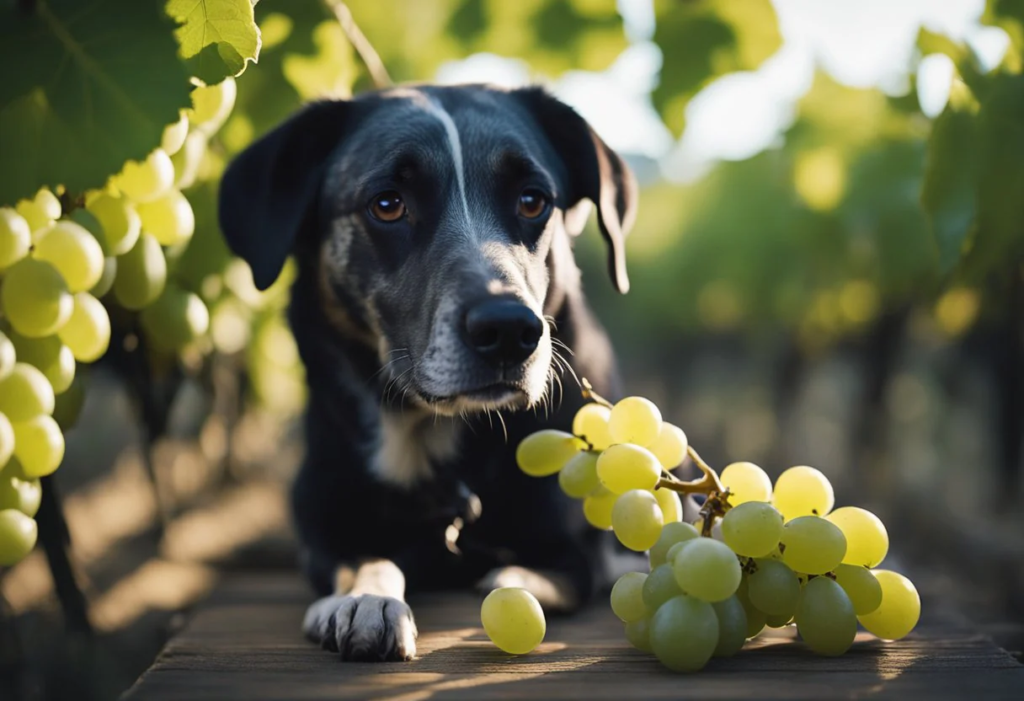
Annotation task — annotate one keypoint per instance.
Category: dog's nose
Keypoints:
(503, 331)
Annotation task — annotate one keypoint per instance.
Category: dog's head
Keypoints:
(437, 222)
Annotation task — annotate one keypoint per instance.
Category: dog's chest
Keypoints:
(409, 444)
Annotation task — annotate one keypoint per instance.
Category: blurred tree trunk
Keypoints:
(1008, 374)
(879, 355)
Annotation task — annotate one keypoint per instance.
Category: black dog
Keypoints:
(432, 229)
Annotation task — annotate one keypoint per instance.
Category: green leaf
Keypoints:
(948, 192)
(703, 39)
(1009, 15)
(930, 42)
(218, 37)
(999, 236)
(553, 35)
(328, 73)
(95, 83)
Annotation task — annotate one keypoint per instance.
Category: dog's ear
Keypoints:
(268, 193)
(594, 172)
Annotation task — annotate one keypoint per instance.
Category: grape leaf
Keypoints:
(947, 194)
(703, 39)
(95, 84)
(999, 235)
(218, 37)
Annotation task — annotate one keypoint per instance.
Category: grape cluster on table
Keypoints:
(759, 556)
(55, 266)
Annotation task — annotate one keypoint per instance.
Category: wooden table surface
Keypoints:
(244, 643)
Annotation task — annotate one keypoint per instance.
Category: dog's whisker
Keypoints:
(504, 428)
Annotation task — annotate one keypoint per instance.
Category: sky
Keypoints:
(863, 44)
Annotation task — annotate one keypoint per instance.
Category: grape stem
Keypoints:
(589, 393)
(707, 484)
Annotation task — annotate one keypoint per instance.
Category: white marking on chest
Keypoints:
(455, 145)
(408, 443)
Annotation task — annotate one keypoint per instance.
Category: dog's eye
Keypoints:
(387, 206)
(532, 203)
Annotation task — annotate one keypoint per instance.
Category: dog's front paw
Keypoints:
(365, 628)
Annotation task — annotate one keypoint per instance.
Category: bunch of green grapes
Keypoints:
(59, 272)
(759, 556)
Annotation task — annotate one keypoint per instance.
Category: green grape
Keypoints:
(671, 505)
(17, 536)
(627, 597)
(513, 620)
(41, 210)
(168, 218)
(120, 225)
(188, 159)
(867, 541)
(812, 545)
(778, 621)
(49, 356)
(803, 491)
(635, 420)
(670, 446)
(756, 618)
(746, 482)
(174, 134)
(672, 533)
(625, 466)
(73, 251)
(146, 180)
(6, 439)
(637, 520)
(68, 405)
(591, 424)
(597, 508)
(546, 452)
(579, 476)
(38, 445)
(25, 394)
(659, 587)
(707, 569)
(8, 356)
(732, 626)
(675, 549)
(752, 529)
(141, 274)
(900, 608)
(15, 237)
(175, 319)
(106, 279)
(211, 105)
(774, 588)
(35, 298)
(19, 492)
(638, 633)
(861, 586)
(825, 617)
(684, 633)
(87, 332)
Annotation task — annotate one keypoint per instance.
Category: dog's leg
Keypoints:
(366, 619)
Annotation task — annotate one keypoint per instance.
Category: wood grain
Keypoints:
(244, 643)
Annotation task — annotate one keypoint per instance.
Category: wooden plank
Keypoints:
(244, 643)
